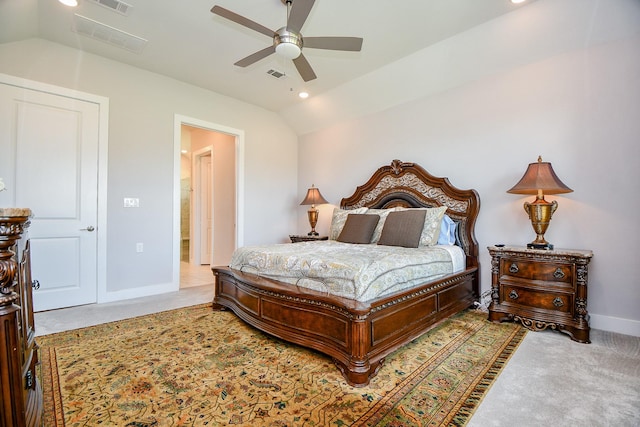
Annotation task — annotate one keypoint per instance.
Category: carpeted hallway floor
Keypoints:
(550, 380)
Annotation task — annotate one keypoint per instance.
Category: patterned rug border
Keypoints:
(386, 404)
(465, 409)
(458, 415)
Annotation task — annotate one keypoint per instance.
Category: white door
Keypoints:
(206, 220)
(49, 162)
(202, 212)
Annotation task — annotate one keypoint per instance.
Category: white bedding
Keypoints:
(359, 272)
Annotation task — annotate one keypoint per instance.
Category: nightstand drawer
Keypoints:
(548, 272)
(527, 297)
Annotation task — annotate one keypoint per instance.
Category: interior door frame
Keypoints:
(238, 134)
(103, 150)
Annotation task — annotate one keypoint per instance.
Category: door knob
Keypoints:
(89, 228)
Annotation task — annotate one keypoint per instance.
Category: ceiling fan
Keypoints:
(288, 40)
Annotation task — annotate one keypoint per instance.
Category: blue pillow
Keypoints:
(447, 231)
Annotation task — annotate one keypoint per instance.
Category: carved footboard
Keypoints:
(356, 335)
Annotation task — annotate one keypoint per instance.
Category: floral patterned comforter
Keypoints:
(359, 272)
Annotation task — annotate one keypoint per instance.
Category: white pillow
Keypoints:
(432, 224)
(339, 218)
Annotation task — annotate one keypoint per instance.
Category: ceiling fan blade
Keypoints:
(334, 43)
(255, 57)
(232, 16)
(304, 68)
(299, 12)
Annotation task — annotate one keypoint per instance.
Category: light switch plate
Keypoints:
(131, 202)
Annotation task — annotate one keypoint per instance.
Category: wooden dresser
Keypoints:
(21, 394)
(541, 289)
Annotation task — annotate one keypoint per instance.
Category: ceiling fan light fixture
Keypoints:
(288, 50)
(288, 44)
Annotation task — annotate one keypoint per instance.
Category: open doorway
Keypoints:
(210, 159)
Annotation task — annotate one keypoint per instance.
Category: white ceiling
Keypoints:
(189, 43)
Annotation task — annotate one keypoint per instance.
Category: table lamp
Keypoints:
(540, 179)
(313, 198)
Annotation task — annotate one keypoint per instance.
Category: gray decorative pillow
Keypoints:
(358, 228)
(403, 228)
(339, 218)
(382, 213)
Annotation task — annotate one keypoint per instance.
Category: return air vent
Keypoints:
(98, 31)
(115, 5)
(275, 73)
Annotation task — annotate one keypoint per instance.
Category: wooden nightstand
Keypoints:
(305, 238)
(541, 288)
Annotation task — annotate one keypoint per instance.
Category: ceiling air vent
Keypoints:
(98, 31)
(115, 5)
(275, 73)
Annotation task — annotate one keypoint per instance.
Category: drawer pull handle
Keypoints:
(513, 295)
(514, 268)
(558, 274)
(558, 302)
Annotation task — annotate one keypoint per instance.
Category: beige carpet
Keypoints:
(553, 381)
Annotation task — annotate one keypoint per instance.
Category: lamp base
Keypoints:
(540, 212)
(546, 246)
(313, 220)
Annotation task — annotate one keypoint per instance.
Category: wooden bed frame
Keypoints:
(359, 335)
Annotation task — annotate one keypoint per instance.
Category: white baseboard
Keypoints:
(143, 291)
(615, 324)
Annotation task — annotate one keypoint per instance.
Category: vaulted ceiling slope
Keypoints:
(185, 41)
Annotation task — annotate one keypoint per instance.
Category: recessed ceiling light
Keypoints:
(303, 95)
(72, 3)
(517, 1)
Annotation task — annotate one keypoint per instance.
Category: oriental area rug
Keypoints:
(199, 367)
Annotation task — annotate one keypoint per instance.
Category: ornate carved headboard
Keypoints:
(409, 185)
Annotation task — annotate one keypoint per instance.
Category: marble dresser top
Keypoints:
(9, 212)
(523, 249)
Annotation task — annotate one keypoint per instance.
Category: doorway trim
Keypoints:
(180, 120)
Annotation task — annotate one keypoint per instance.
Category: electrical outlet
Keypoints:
(131, 202)
(139, 247)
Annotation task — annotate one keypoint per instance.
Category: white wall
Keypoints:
(577, 107)
(141, 155)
